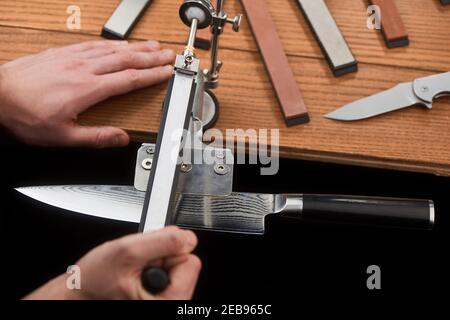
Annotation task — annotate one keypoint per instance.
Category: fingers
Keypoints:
(168, 248)
(131, 79)
(95, 137)
(145, 46)
(151, 246)
(184, 272)
(93, 49)
(101, 51)
(129, 59)
(89, 45)
(97, 52)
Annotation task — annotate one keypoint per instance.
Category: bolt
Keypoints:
(236, 22)
(185, 168)
(220, 155)
(221, 169)
(147, 164)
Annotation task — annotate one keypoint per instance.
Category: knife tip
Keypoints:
(339, 117)
(20, 190)
(332, 116)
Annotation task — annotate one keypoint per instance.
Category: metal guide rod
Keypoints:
(192, 33)
(215, 42)
(174, 122)
(203, 39)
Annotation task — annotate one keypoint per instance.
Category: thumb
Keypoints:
(96, 137)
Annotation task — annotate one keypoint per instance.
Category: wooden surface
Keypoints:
(414, 139)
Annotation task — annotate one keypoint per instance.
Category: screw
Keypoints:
(219, 65)
(185, 168)
(221, 169)
(236, 22)
(147, 164)
(220, 155)
(150, 150)
(424, 89)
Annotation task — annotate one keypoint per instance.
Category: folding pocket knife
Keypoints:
(421, 91)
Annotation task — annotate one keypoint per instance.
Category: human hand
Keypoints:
(42, 95)
(113, 270)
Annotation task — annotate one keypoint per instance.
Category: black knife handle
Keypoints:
(408, 213)
(155, 280)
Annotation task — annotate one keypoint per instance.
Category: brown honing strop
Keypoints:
(276, 62)
(392, 26)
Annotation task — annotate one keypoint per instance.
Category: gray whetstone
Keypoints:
(329, 36)
(123, 19)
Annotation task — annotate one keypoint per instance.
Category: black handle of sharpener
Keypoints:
(155, 280)
(392, 212)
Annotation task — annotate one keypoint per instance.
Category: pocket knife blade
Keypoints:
(399, 97)
(421, 91)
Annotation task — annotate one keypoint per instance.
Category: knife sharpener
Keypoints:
(185, 112)
(124, 18)
(329, 37)
(188, 105)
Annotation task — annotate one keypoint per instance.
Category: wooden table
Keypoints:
(414, 139)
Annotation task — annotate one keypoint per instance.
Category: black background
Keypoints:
(294, 260)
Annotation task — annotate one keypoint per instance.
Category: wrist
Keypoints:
(56, 289)
(2, 94)
(69, 293)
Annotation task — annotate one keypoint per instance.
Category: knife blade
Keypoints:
(421, 91)
(239, 212)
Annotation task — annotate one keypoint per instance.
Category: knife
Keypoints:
(240, 212)
(421, 91)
